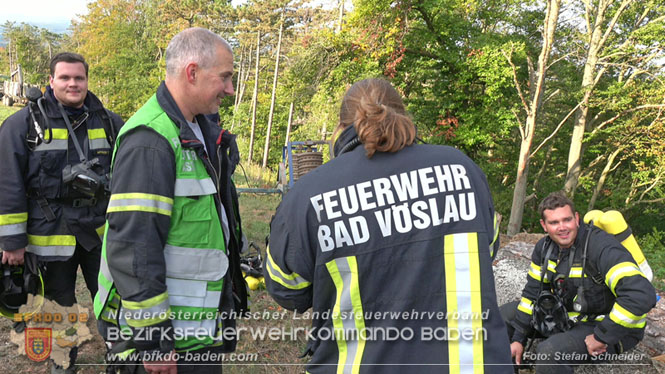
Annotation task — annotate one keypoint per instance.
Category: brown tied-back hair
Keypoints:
(375, 108)
(557, 199)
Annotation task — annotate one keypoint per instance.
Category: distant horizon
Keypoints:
(59, 27)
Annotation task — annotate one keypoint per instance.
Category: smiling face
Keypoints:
(215, 83)
(69, 83)
(561, 224)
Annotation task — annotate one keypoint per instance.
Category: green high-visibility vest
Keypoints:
(195, 251)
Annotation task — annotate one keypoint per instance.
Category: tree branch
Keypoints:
(516, 81)
(555, 130)
(648, 106)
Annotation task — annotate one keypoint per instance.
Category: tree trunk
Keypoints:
(519, 194)
(266, 149)
(340, 18)
(238, 81)
(288, 125)
(254, 98)
(597, 39)
(603, 177)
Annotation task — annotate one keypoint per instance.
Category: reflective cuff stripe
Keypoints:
(51, 245)
(140, 202)
(463, 294)
(147, 312)
(575, 272)
(597, 318)
(13, 218)
(623, 317)
(620, 271)
(293, 281)
(534, 272)
(348, 320)
(13, 229)
(55, 145)
(194, 187)
(526, 306)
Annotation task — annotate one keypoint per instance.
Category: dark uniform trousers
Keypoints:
(560, 353)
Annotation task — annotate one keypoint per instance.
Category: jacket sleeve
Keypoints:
(142, 190)
(13, 168)
(635, 295)
(289, 267)
(522, 322)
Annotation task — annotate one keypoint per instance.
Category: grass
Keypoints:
(6, 111)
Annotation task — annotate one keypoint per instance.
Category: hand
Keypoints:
(516, 351)
(593, 346)
(13, 257)
(166, 366)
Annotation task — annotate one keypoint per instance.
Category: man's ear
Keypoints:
(577, 219)
(50, 80)
(542, 223)
(191, 72)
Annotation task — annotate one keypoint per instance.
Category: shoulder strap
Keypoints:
(107, 119)
(588, 268)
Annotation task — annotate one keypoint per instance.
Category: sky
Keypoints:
(41, 11)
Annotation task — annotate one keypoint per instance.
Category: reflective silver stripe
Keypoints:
(52, 250)
(148, 203)
(186, 287)
(346, 305)
(464, 291)
(194, 187)
(14, 229)
(99, 143)
(210, 300)
(104, 270)
(54, 145)
(189, 329)
(103, 294)
(195, 263)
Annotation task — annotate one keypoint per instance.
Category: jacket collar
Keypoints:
(187, 137)
(346, 141)
(90, 104)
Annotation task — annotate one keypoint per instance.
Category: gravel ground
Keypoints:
(510, 269)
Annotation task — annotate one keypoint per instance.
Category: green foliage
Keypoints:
(652, 245)
(6, 112)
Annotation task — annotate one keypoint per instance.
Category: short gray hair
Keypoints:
(194, 44)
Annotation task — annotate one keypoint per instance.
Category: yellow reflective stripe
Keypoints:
(148, 303)
(13, 218)
(141, 202)
(525, 306)
(338, 323)
(100, 230)
(344, 272)
(551, 266)
(496, 233)
(620, 271)
(96, 134)
(534, 272)
(292, 281)
(575, 272)
(58, 134)
(625, 318)
(49, 240)
(147, 312)
(462, 277)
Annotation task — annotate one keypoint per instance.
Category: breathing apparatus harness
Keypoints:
(83, 177)
(549, 314)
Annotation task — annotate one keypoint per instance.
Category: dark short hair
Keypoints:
(67, 57)
(555, 200)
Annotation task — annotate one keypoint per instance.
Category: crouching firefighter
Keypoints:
(55, 156)
(170, 284)
(584, 295)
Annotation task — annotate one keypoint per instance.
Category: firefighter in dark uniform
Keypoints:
(391, 245)
(584, 293)
(54, 183)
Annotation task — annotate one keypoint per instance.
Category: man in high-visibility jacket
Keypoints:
(172, 240)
